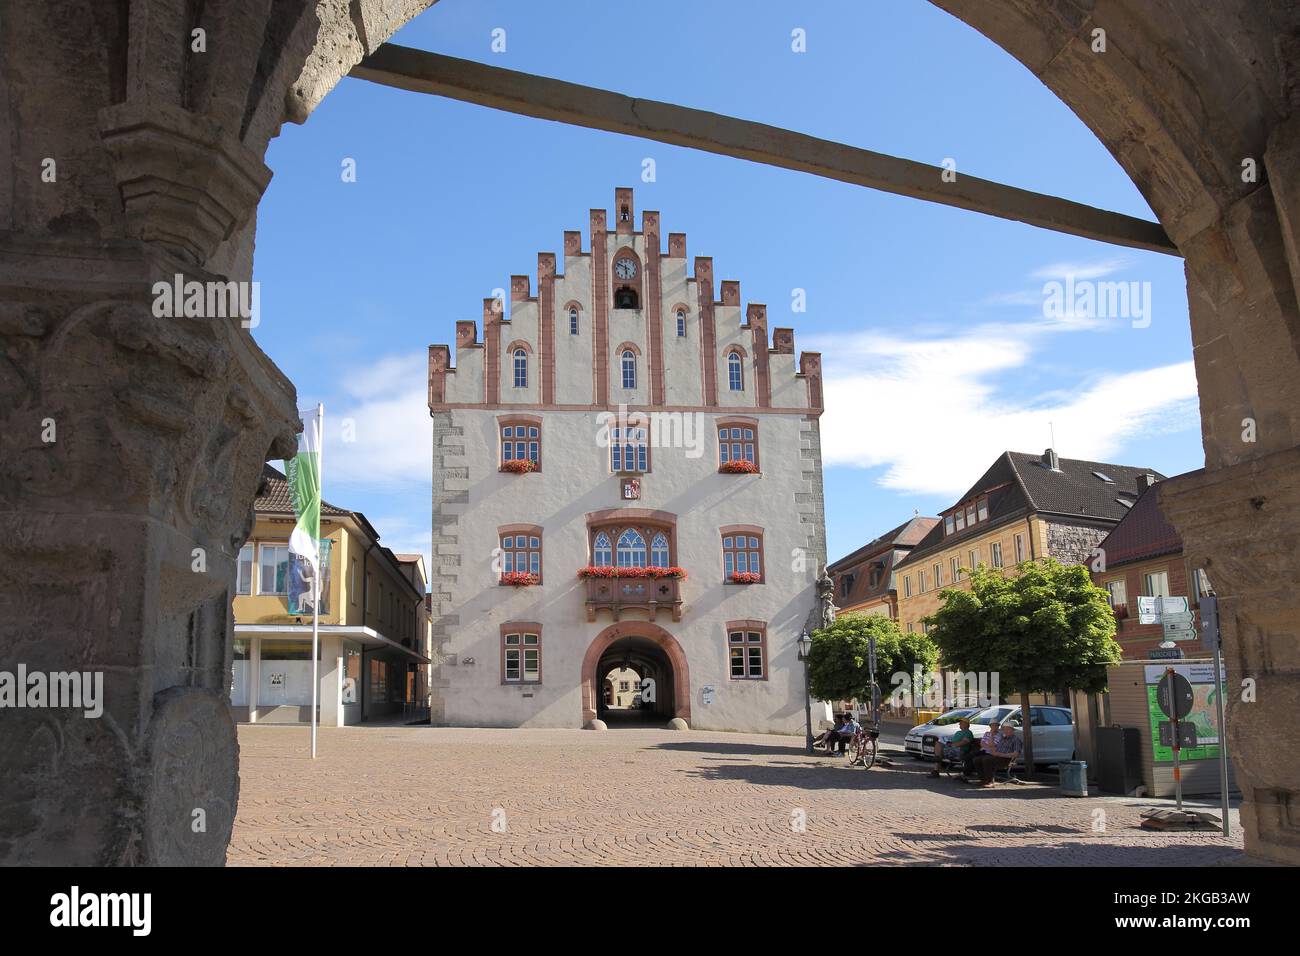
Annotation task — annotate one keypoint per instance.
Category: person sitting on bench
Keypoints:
(1000, 750)
(960, 747)
(842, 734)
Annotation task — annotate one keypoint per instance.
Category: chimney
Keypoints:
(1145, 482)
(1051, 461)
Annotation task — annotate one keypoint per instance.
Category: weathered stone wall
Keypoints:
(1072, 543)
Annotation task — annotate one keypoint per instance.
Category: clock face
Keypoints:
(625, 269)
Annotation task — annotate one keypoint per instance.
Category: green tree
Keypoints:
(838, 661)
(1044, 628)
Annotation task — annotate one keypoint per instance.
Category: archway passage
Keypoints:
(644, 649)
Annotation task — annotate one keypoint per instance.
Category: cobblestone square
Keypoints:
(422, 796)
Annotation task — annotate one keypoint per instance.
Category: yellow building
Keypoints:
(1025, 507)
(374, 621)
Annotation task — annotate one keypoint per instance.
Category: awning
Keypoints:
(367, 636)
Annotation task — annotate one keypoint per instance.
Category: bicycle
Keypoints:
(862, 748)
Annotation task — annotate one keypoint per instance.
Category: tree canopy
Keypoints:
(838, 661)
(1045, 628)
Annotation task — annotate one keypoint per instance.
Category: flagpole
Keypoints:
(316, 582)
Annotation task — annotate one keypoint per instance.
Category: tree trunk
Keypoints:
(1028, 734)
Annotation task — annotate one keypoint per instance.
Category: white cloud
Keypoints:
(932, 414)
(1080, 270)
(388, 420)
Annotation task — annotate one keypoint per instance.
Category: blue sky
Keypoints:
(938, 353)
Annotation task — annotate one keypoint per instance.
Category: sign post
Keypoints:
(1210, 635)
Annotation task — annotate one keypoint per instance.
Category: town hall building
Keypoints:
(627, 487)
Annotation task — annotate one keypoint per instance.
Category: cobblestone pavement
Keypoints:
(399, 796)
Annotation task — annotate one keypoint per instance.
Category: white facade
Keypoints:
(571, 391)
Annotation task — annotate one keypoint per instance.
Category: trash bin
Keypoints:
(1074, 778)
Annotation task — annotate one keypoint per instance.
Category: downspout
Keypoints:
(365, 609)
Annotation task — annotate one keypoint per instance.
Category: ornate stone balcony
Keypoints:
(645, 594)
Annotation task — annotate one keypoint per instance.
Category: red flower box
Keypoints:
(602, 571)
(519, 466)
(519, 579)
(738, 467)
(745, 577)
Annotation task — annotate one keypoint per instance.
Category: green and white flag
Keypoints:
(303, 472)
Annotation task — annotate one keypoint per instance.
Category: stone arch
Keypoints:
(168, 154)
(681, 704)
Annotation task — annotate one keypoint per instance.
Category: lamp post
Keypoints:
(805, 646)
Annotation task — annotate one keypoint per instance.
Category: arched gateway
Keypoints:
(655, 653)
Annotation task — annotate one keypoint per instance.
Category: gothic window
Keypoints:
(602, 553)
(631, 550)
(659, 551)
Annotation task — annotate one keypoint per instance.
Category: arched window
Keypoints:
(659, 551)
(735, 373)
(602, 556)
(573, 320)
(631, 549)
(629, 369)
(521, 368)
(681, 323)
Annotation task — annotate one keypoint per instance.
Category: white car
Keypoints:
(1053, 729)
(914, 739)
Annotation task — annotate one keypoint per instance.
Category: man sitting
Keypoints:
(1000, 750)
(959, 747)
(842, 734)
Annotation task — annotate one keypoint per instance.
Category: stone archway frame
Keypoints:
(652, 632)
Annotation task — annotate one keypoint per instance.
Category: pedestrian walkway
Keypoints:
(397, 796)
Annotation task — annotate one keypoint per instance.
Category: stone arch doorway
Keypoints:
(160, 170)
(650, 651)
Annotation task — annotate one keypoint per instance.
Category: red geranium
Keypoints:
(739, 467)
(519, 579)
(606, 571)
(745, 577)
(519, 466)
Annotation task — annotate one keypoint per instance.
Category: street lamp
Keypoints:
(805, 648)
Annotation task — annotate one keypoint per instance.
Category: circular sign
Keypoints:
(1182, 696)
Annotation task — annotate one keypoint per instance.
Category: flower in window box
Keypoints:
(745, 577)
(738, 467)
(1121, 611)
(519, 466)
(519, 579)
(605, 571)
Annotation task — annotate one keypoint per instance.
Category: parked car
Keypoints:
(914, 737)
(1053, 730)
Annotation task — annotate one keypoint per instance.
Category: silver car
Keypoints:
(1053, 730)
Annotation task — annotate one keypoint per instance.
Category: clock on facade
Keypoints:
(625, 269)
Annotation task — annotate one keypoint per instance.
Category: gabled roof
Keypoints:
(1141, 534)
(275, 498)
(879, 553)
(906, 535)
(1019, 484)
